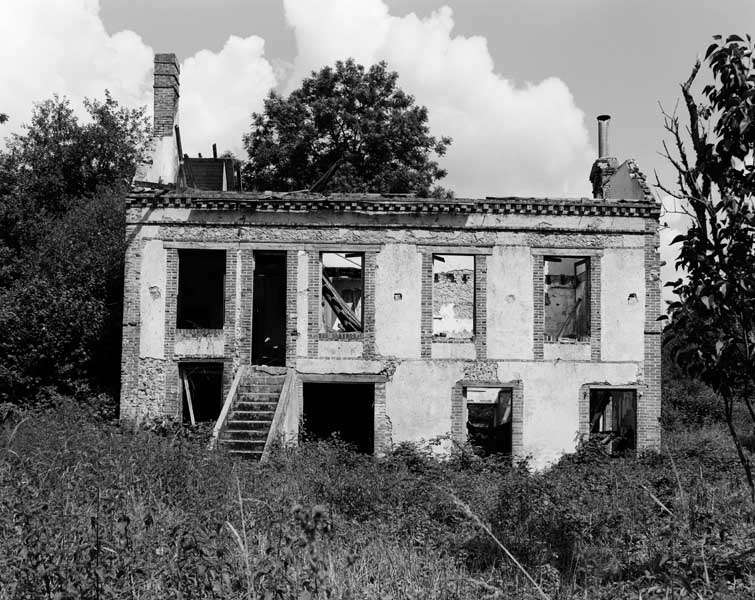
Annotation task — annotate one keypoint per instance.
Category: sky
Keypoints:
(517, 84)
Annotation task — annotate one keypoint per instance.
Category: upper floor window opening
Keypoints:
(201, 289)
(453, 296)
(567, 299)
(342, 292)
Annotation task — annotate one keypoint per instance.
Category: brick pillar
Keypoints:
(172, 402)
(232, 264)
(595, 300)
(383, 432)
(458, 429)
(426, 319)
(292, 276)
(129, 411)
(517, 419)
(368, 308)
(538, 298)
(649, 406)
(166, 94)
(481, 306)
(243, 308)
(315, 291)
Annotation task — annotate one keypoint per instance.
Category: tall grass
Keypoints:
(89, 510)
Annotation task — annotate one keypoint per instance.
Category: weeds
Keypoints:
(89, 510)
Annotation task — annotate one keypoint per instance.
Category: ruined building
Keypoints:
(516, 324)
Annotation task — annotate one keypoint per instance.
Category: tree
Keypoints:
(62, 245)
(713, 320)
(357, 117)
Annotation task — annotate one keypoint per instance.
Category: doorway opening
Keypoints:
(201, 391)
(344, 410)
(613, 418)
(269, 309)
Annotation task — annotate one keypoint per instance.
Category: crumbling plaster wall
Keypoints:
(510, 303)
(152, 300)
(622, 316)
(397, 319)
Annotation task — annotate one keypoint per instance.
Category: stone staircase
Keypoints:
(246, 429)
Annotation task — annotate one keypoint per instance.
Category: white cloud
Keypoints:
(508, 139)
(220, 91)
(61, 46)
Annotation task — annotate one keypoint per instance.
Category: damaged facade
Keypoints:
(516, 324)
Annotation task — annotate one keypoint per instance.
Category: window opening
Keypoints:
(489, 419)
(342, 291)
(201, 289)
(453, 296)
(567, 299)
(201, 391)
(341, 410)
(613, 418)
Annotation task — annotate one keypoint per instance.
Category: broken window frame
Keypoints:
(578, 319)
(352, 322)
(441, 336)
(216, 319)
(500, 431)
(620, 437)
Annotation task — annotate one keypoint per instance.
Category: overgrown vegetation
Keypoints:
(712, 328)
(62, 244)
(90, 510)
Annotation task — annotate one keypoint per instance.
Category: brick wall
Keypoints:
(383, 437)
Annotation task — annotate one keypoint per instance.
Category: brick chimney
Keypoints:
(162, 164)
(605, 166)
(166, 94)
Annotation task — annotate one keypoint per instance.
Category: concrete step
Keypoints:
(244, 435)
(255, 406)
(247, 425)
(260, 388)
(257, 397)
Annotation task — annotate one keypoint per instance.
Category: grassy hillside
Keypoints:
(88, 510)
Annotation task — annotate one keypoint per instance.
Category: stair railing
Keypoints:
(281, 410)
(240, 373)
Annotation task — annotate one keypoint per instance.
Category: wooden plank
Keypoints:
(348, 319)
(227, 405)
(341, 378)
(188, 397)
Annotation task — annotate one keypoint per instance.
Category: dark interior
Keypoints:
(489, 425)
(201, 287)
(617, 427)
(205, 382)
(269, 309)
(345, 410)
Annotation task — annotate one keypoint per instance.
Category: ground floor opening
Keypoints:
(343, 410)
(201, 391)
(489, 419)
(613, 418)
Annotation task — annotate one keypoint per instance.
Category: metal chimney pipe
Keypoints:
(603, 121)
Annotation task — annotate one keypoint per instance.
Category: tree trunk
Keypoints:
(728, 405)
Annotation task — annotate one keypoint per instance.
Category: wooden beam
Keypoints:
(188, 396)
